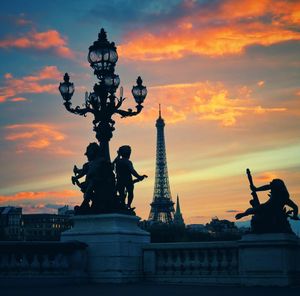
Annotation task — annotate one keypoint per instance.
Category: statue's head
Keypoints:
(92, 151)
(125, 151)
(278, 188)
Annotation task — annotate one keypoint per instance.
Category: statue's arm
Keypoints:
(263, 188)
(134, 172)
(82, 172)
(291, 204)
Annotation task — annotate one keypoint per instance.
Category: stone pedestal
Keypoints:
(269, 259)
(114, 246)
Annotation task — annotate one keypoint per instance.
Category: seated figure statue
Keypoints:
(271, 216)
(124, 171)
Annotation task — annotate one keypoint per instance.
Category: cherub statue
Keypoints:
(89, 170)
(270, 216)
(124, 171)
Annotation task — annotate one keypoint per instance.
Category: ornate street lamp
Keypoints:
(103, 104)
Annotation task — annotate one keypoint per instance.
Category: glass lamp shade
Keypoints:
(139, 91)
(112, 82)
(66, 88)
(102, 59)
(102, 54)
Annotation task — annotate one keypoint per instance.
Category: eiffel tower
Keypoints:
(162, 206)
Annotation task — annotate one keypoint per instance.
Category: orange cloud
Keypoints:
(203, 100)
(41, 201)
(31, 83)
(236, 26)
(30, 195)
(36, 136)
(18, 99)
(265, 177)
(49, 40)
(212, 42)
(261, 83)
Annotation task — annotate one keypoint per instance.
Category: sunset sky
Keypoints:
(227, 74)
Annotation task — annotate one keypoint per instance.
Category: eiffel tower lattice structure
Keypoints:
(162, 206)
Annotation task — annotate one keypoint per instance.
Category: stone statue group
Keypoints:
(271, 216)
(107, 186)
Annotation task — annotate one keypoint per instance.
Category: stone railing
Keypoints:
(206, 263)
(43, 260)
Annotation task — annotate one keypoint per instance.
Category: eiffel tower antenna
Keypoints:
(162, 206)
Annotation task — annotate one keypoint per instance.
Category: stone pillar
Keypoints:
(114, 246)
(269, 259)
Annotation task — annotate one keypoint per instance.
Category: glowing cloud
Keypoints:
(42, 41)
(18, 99)
(261, 83)
(266, 177)
(40, 201)
(30, 84)
(36, 136)
(205, 101)
(195, 33)
(40, 195)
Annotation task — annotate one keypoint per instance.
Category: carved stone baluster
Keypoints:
(24, 264)
(175, 261)
(205, 269)
(4, 265)
(40, 259)
(223, 265)
(64, 264)
(182, 259)
(222, 261)
(1, 262)
(228, 255)
(45, 263)
(168, 262)
(235, 261)
(35, 264)
(159, 262)
(51, 260)
(214, 261)
(191, 260)
(13, 263)
(57, 260)
(199, 257)
(29, 258)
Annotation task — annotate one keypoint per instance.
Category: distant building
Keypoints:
(65, 211)
(11, 224)
(45, 227)
(244, 229)
(197, 228)
(178, 219)
(217, 226)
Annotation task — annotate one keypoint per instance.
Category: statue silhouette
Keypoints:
(272, 215)
(124, 172)
(97, 172)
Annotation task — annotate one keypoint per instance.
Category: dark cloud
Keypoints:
(136, 14)
(232, 211)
